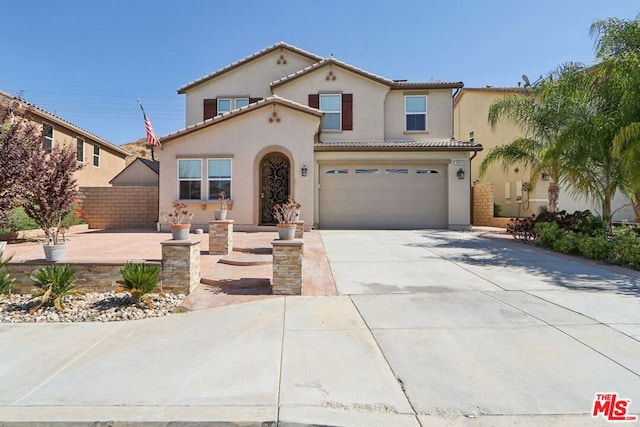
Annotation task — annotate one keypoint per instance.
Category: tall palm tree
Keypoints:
(541, 115)
(618, 48)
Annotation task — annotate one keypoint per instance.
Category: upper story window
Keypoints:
(189, 179)
(331, 105)
(227, 104)
(219, 176)
(47, 133)
(415, 109)
(96, 155)
(80, 150)
(337, 108)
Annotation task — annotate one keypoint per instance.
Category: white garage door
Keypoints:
(373, 196)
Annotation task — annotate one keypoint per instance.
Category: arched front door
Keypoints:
(274, 184)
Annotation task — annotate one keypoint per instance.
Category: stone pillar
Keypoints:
(220, 237)
(299, 228)
(180, 265)
(287, 267)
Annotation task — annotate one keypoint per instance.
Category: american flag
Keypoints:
(151, 137)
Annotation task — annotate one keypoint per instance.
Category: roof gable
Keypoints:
(57, 120)
(250, 58)
(272, 100)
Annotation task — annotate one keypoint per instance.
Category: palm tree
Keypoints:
(618, 48)
(541, 115)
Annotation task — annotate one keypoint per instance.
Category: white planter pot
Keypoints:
(55, 253)
(221, 214)
(286, 231)
(180, 231)
(3, 246)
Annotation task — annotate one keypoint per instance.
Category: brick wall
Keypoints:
(483, 207)
(120, 207)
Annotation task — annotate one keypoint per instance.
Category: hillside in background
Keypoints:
(138, 149)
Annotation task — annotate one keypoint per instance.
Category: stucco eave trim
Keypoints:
(319, 148)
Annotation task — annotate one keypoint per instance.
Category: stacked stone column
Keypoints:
(220, 237)
(180, 265)
(287, 267)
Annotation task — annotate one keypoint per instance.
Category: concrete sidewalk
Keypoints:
(431, 328)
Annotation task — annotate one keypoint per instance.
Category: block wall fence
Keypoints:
(483, 199)
(119, 207)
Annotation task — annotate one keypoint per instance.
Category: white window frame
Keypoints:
(80, 153)
(230, 179)
(96, 156)
(233, 104)
(338, 112)
(50, 139)
(413, 113)
(188, 179)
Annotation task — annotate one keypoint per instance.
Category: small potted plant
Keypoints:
(179, 220)
(222, 212)
(285, 214)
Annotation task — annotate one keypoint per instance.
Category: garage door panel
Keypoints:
(383, 199)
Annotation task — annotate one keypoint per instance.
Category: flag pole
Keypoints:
(152, 141)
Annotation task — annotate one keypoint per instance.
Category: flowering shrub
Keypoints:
(179, 215)
(286, 213)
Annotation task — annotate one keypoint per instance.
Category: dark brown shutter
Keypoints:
(347, 111)
(210, 108)
(314, 100)
(252, 100)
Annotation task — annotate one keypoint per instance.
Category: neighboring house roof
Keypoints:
(54, 119)
(153, 165)
(279, 45)
(272, 100)
(393, 84)
(425, 145)
(491, 89)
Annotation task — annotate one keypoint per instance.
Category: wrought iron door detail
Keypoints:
(274, 182)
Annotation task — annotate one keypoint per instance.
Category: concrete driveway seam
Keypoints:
(69, 363)
(397, 377)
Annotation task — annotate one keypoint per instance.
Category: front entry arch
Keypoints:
(275, 178)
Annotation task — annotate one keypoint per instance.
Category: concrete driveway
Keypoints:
(474, 325)
(432, 328)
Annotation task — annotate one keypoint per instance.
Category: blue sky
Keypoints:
(89, 60)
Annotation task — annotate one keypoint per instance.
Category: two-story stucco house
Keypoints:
(357, 150)
(101, 159)
(511, 188)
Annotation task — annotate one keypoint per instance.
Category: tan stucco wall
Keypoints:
(439, 117)
(459, 191)
(368, 100)
(246, 139)
(111, 162)
(249, 80)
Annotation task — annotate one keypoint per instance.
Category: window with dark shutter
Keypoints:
(210, 108)
(347, 111)
(314, 100)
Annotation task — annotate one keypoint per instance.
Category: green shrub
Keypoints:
(53, 283)
(548, 233)
(18, 220)
(626, 247)
(568, 243)
(140, 279)
(6, 281)
(595, 247)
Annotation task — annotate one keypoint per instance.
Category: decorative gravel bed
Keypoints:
(89, 307)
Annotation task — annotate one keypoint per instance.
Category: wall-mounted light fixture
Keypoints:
(303, 170)
(546, 176)
(460, 173)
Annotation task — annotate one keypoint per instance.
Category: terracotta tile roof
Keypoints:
(426, 85)
(274, 99)
(60, 121)
(265, 51)
(423, 145)
(327, 62)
